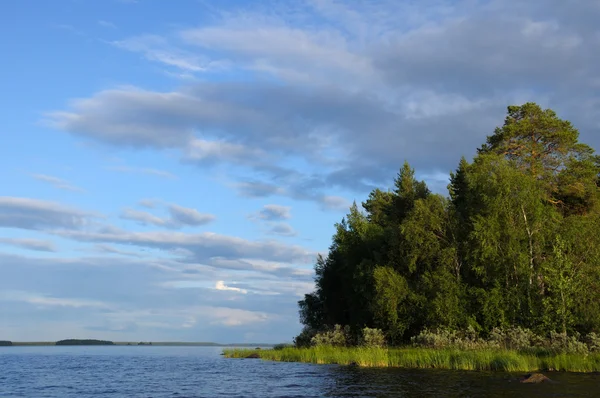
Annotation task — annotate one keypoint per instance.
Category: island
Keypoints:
(5, 343)
(503, 273)
(84, 342)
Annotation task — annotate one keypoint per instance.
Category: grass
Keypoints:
(425, 358)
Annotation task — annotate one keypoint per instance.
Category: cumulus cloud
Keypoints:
(340, 104)
(30, 244)
(37, 214)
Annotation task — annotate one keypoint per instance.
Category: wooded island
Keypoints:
(509, 260)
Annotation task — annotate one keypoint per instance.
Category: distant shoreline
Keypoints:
(135, 343)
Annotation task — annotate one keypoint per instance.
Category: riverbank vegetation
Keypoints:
(426, 358)
(515, 246)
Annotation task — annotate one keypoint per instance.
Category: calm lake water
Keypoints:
(63, 372)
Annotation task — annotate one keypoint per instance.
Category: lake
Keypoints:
(186, 372)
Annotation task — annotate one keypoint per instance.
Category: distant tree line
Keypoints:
(84, 342)
(515, 244)
(5, 343)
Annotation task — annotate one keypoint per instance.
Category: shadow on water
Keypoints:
(361, 382)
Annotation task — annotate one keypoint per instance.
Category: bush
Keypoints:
(512, 338)
(282, 346)
(373, 337)
(593, 342)
(338, 337)
(446, 338)
(561, 342)
(304, 339)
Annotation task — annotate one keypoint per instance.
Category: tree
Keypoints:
(516, 243)
(548, 148)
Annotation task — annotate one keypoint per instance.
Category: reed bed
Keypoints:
(425, 358)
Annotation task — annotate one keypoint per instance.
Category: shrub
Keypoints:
(446, 338)
(561, 342)
(593, 342)
(282, 346)
(304, 339)
(337, 337)
(512, 338)
(373, 337)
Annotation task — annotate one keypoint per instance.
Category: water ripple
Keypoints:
(192, 372)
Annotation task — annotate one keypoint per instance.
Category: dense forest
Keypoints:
(516, 243)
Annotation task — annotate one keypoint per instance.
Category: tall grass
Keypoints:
(425, 358)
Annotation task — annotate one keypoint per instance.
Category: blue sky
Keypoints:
(171, 169)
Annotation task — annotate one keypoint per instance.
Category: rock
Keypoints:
(535, 378)
(253, 356)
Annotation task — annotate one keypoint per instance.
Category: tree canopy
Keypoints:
(515, 243)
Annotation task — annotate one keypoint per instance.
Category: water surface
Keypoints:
(186, 372)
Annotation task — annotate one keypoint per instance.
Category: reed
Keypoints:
(425, 358)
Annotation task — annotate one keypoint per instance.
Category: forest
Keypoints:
(515, 243)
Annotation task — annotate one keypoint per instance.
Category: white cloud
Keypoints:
(107, 24)
(220, 285)
(282, 229)
(335, 202)
(233, 317)
(274, 212)
(57, 182)
(26, 213)
(143, 170)
(49, 301)
(31, 244)
(179, 217)
(205, 246)
(157, 49)
(185, 216)
(370, 85)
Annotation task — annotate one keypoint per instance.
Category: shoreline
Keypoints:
(426, 358)
(132, 344)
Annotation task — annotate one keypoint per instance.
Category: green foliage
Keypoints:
(304, 339)
(337, 337)
(445, 338)
(513, 253)
(513, 338)
(282, 346)
(424, 358)
(391, 292)
(593, 342)
(373, 337)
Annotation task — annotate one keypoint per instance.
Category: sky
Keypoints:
(171, 169)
